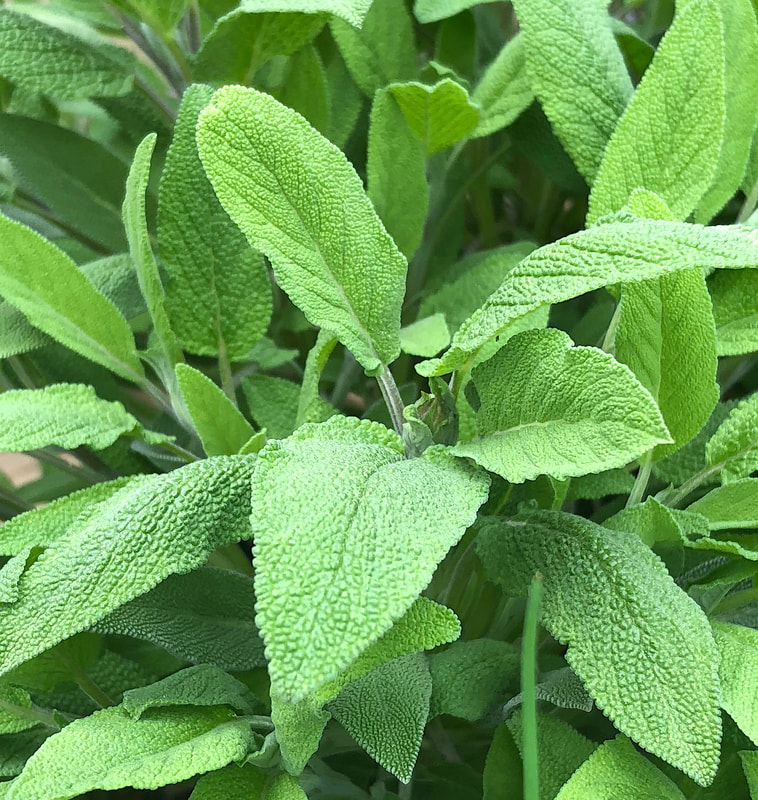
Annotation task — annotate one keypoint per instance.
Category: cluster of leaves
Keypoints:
(390, 373)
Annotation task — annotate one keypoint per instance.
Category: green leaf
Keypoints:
(738, 674)
(667, 337)
(218, 293)
(162, 15)
(741, 103)
(230, 783)
(15, 751)
(16, 710)
(616, 252)
(439, 115)
(594, 487)
(548, 408)
(469, 677)
(425, 337)
(612, 600)
(121, 548)
(669, 139)
(306, 89)
(67, 415)
(309, 404)
(109, 750)
(577, 72)
(296, 197)
(750, 766)
(284, 787)
(396, 172)
(205, 616)
(735, 310)
(434, 10)
(504, 90)
(44, 59)
(616, 770)
(56, 297)
(135, 224)
(562, 750)
(382, 51)
(734, 505)
(220, 425)
(79, 180)
(352, 571)
(734, 445)
(203, 685)
(502, 777)
(274, 404)
(386, 712)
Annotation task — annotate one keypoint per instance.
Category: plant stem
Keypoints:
(33, 714)
(80, 471)
(641, 481)
(93, 691)
(161, 105)
(225, 371)
(391, 395)
(751, 201)
(529, 690)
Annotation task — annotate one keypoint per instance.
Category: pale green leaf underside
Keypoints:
(577, 72)
(641, 646)
(738, 674)
(615, 771)
(735, 309)
(615, 252)
(219, 424)
(56, 297)
(298, 200)
(734, 505)
(323, 602)
(548, 408)
(425, 337)
(218, 293)
(386, 712)
(121, 548)
(669, 139)
(64, 414)
(108, 750)
(735, 442)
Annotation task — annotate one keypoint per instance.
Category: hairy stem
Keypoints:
(641, 481)
(529, 690)
(391, 395)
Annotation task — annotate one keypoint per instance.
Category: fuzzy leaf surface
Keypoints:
(735, 310)
(230, 783)
(299, 201)
(738, 673)
(625, 620)
(109, 750)
(56, 297)
(577, 72)
(320, 604)
(733, 505)
(434, 10)
(157, 525)
(615, 252)
(735, 442)
(669, 139)
(218, 293)
(548, 408)
(309, 403)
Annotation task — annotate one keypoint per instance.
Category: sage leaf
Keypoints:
(309, 402)
(738, 674)
(434, 10)
(733, 505)
(735, 310)
(230, 783)
(734, 445)
(425, 337)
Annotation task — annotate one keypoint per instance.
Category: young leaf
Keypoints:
(504, 90)
(66, 415)
(309, 403)
(274, 404)
(396, 170)
(220, 425)
(425, 337)
(155, 526)
(109, 750)
(205, 616)
(386, 712)
(44, 59)
(469, 677)
(734, 445)
(56, 297)
(298, 200)
(612, 600)
(615, 252)
(382, 50)
(667, 337)
(135, 224)
(617, 770)
(230, 783)
(734, 505)
(548, 408)
(78, 179)
(439, 115)
(738, 674)
(203, 685)
(669, 139)
(348, 570)
(218, 293)
(577, 72)
(735, 310)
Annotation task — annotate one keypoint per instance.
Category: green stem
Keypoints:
(163, 108)
(93, 691)
(751, 201)
(225, 371)
(175, 449)
(529, 691)
(80, 471)
(391, 395)
(15, 503)
(736, 600)
(33, 714)
(641, 481)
